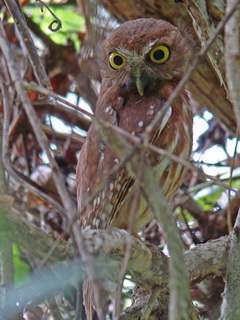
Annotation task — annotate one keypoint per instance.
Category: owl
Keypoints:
(141, 63)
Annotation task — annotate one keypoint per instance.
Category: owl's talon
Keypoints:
(150, 303)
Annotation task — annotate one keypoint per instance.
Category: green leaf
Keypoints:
(210, 199)
(21, 268)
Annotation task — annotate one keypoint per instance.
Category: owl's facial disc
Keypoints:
(139, 63)
(158, 55)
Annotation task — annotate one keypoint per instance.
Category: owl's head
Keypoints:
(144, 53)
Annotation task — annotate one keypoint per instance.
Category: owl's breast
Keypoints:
(173, 134)
(138, 113)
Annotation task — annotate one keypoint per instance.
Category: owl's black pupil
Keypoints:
(158, 55)
(118, 60)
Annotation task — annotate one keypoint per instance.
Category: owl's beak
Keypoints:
(140, 86)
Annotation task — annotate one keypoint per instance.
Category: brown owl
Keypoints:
(141, 63)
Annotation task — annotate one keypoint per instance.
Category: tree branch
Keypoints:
(147, 266)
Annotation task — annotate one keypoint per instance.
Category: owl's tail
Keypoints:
(88, 299)
(94, 300)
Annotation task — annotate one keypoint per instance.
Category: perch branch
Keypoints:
(150, 268)
(147, 267)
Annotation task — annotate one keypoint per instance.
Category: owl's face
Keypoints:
(144, 53)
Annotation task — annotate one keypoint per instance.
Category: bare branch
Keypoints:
(36, 63)
(232, 57)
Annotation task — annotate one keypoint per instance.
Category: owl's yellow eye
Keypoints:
(116, 60)
(160, 54)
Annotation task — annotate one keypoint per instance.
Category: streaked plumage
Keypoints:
(131, 96)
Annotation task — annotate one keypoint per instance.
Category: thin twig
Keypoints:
(50, 93)
(57, 20)
(6, 254)
(5, 97)
(127, 254)
(36, 62)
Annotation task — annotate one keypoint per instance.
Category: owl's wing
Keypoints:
(95, 162)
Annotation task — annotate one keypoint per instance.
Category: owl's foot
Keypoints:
(146, 311)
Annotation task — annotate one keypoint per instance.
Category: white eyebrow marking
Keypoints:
(148, 47)
(129, 54)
